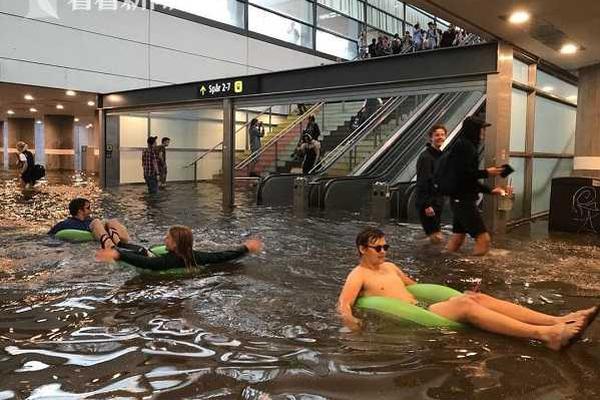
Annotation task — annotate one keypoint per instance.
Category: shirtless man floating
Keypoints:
(375, 276)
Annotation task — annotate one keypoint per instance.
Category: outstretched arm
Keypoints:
(347, 298)
(250, 246)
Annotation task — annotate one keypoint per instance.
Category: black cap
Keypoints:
(475, 122)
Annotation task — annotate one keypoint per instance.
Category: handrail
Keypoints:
(367, 126)
(252, 157)
(392, 139)
(207, 152)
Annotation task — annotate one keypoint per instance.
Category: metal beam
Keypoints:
(450, 63)
(497, 140)
(228, 154)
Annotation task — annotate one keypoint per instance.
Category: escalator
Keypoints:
(402, 191)
(394, 160)
(277, 189)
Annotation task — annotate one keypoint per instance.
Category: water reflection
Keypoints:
(266, 328)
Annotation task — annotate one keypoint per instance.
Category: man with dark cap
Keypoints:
(464, 164)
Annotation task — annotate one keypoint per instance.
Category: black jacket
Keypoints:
(170, 260)
(464, 161)
(426, 196)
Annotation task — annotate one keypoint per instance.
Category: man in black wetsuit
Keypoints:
(430, 204)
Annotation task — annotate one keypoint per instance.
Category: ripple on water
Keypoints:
(266, 328)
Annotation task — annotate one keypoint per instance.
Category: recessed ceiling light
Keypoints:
(519, 17)
(60, 106)
(10, 112)
(548, 89)
(76, 119)
(89, 126)
(33, 109)
(91, 103)
(71, 93)
(569, 48)
(38, 121)
(29, 97)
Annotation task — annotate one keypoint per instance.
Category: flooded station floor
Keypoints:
(266, 328)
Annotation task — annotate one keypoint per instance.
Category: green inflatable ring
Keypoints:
(426, 293)
(158, 251)
(74, 235)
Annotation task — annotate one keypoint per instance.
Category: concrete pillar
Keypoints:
(58, 132)
(587, 140)
(228, 155)
(19, 129)
(40, 147)
(497, 140)
(4, 138)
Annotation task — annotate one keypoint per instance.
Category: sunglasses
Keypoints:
(378, 249)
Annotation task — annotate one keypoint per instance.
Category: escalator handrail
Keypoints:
(358, 134)
(390, 142)
(252, 157)
(453, 137)
(407, 148)
(375, 177)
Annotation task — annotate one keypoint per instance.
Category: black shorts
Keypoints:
(467, 218)
(431, 224)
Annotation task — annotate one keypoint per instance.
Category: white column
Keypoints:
(40, 142)
(5, 143)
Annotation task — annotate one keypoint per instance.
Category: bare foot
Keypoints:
(580, 314)
(558, 336)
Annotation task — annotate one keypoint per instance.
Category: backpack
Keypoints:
(38, 171)
(444, 179)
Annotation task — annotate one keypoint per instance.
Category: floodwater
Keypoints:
(266, 328)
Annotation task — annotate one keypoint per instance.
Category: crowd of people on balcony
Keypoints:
(416, 39)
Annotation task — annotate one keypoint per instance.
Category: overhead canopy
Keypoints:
(356, 77)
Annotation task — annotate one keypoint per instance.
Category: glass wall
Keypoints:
(414, 16)
(229, 12)
(554, 127)
(337, 23)
(352, 8)
(544, 169)
(556, 87)
(544, 150)
(518, 120)
(337, 46)
(277, 27)
(298, 9)
(333, 27)
(520, 71)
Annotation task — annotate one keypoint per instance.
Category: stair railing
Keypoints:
(220, 144)
(347, 144)
(273, 142)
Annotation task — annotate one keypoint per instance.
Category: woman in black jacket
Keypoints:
(429, 203)
(181, 254)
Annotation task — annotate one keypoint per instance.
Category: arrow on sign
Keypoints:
(202, 90)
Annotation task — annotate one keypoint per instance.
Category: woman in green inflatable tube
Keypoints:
(179, 243)
(374, 276)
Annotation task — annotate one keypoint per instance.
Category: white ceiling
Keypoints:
(45, 101)
(578, 20)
